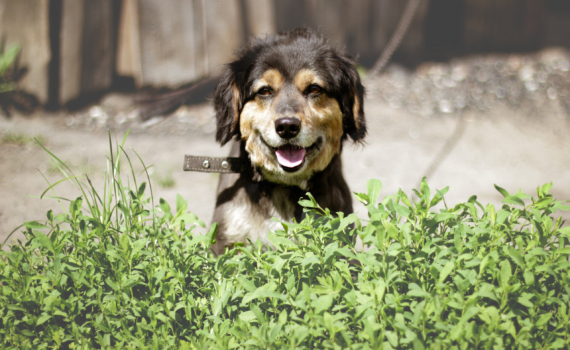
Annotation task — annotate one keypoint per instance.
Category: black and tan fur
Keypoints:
(290, 90)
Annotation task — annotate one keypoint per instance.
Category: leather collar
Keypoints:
(215, 165)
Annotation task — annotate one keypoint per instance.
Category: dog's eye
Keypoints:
(264, 91)
(314, 89)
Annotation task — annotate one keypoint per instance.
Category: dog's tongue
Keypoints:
(290, 156)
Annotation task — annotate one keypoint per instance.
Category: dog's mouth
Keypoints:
(292, 157)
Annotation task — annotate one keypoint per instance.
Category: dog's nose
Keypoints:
(287, 127)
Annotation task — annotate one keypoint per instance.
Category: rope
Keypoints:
(397, 37)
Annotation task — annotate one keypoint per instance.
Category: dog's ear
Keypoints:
(228, 102)
(352, 99)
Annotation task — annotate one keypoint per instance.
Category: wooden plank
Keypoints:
(224, 33)
(128, 62)
(260, 17)
(171, 51)
(71, 38)
(357, 19)
(87, 54)
(183, 41)
(26, 22)
(325, 15)
(290, 14)
(98, 52)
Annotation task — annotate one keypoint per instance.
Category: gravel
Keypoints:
(524, 83)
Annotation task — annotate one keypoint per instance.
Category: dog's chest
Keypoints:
(245, 218)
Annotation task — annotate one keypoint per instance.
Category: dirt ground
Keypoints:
(468, 151)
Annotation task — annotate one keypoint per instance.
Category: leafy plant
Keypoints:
(117, 271)
(10, 74)
(7, 68)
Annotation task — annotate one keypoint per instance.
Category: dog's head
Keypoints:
(293, 99)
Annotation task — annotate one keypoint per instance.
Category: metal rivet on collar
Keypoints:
(206, 164)
(225, 164)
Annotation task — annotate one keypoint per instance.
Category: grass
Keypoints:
(22, 139)
(120, 269)
(83, 167)
(165, 181)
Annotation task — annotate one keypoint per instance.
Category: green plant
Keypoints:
(166, 181)
(7, 62)
(83, 167)
(116, 271)
(10, 74)
(21, 139)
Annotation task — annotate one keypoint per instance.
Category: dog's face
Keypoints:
(293, 100)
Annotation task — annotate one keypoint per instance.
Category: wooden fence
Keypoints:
(73, 48)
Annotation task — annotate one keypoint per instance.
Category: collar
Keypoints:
(215, 165)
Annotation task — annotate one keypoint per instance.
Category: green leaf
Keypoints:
(392, 230)
(438, 196)
(513, 200)
(418, 293)
(528, 277)
(516, 256)
(112, 284)
(563, 251)
(373, 186)
(159, 274)
(283, 317)
(543, 319)
(42, 319)
(44, 241)
(362, 198)
(502, 215)
(189, 219)
(380, 289)
(526, 302)
(444, 216)
(546, 188)
(472, 311)
(506, 273)
(181, 204)
(502, 191)
(323, 303)
(164, 207)
(486, 260)
(392, 338)
(457, 241)
(211, 235)
(138, 245)
(447, 269)
(280, 240)
(424, 188)
(261, 293)
(246, 283)
(141, 189)
(35, 225)
(565, 231)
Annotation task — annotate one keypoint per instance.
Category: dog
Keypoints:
(289, 101)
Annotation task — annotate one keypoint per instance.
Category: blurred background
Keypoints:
(477, 92)
(73, 48)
